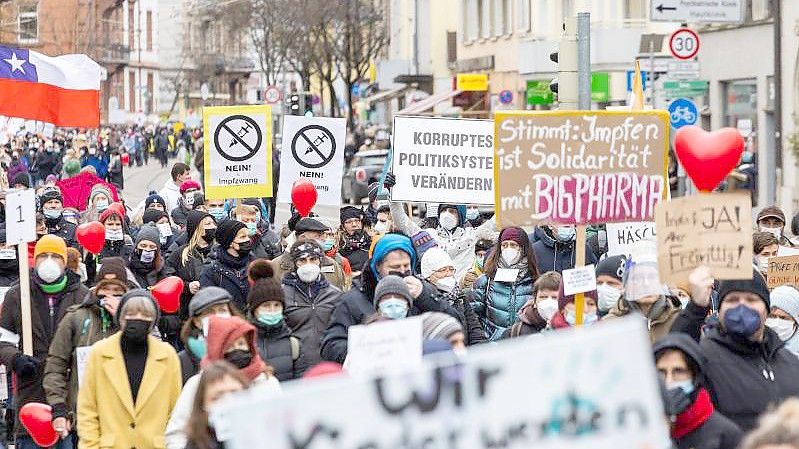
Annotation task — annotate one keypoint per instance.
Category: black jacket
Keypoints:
(189, 365)
(64, 229)
(275, 348)
(115, 176)
(230, 274)
(718, 432)
(308, 308)
(554, 255)
(196, 262)
(473, 329)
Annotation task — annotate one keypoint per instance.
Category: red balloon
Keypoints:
(708, 157)
(37, 418)
(91, 236)
(303, 195)
(167, 293)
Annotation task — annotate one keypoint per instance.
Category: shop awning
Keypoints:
(385, 95)
(428, 103)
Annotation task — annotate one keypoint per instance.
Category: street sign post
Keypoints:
(727, 11)
(684, 44)
(272, 95)
(506, 97)
(682, 111)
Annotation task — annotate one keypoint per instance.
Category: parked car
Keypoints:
(365, 168)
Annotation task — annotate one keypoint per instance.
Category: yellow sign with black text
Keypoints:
(476, 82)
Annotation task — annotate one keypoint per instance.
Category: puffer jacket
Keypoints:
(308, 308)
(553, 255)
(274, 345)
(498, 303)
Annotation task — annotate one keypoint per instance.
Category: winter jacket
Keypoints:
(718, 432)
(498, 303)
(330, 269)
(355, 248)
(99, 162)
(659, 320)
(179, 215)
(229, 273)
(13, 170)
(47, 163)
(115, 176)
(122, 248)
(530, 322)
(189, 365)
(64, 229)
(171, 195)
(473, 330)
(266, 245)
(196, 262)
(553, 255)
(44, 320)
(307, 311)
(281, 350)
(81, 327)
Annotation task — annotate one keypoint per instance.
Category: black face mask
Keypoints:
(239, 358)
(208, 235)
(136, 330)
(244, 249)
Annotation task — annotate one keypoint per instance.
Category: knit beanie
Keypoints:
(50, 243)
(189, 184)
(389, 243)
(349, 212)
(193, 219)
(71, 168)
(265, 287)
(154, 198)
(439, 325)
(222, 332)
(513, 233)
(114, 210)
(136, 293)
(433, 260)
(756, 285)
(612, 266)
(392, 284)
(100, 189)
(50, 193)
(226, 232)
(22, 178)
(422, 242)
(113, 271)
(207, 297)
(564, 300)
(786, 298)
(150, 233)
(152, 215)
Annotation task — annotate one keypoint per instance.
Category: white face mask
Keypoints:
(380, 227)
(147, 256)
(448, 220)
(510, 255)
(547, 308)
(189, 199)
(777, 232)
(308, 272)
(114, 235)
(446, 284)
(783, 328)
(762, 263)
(608, 296)
(49, 270)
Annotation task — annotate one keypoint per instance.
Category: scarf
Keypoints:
(520, 265)
(55, 287)
(694, 416)
(358, 240)
(529, 315)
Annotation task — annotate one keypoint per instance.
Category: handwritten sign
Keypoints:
(481, 402)
(707, 229)
(579, 280)
(623, 236)
(783, 271)
(579, 167)
(384, 345)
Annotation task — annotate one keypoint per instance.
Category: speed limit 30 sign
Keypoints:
(684, 44)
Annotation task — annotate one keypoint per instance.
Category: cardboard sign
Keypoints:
(381, 346)
(579, 167)
(238, 151)
(622, 236)
(450, 160)
(579, 280)
(706, 229)
(486, 401)
(783, 271)
(313, 148)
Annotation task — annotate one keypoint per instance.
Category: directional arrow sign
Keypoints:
(708, 11)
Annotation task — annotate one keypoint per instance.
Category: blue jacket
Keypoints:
(497, 303)
(552, 255)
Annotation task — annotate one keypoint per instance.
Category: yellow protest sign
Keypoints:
(477, 82)
(238, 151)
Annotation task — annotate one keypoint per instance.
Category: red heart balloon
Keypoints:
(708, 157)
(37, 418)
(91, 236)
(167, 292)
(303, 195)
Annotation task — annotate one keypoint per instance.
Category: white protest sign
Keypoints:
(510, 395)
(238, 151)
(20, 216)
(579, 280)
(451, 160)
(82, 358)
(377, 347)
(622, 236)
(786, 251)
(313, 148)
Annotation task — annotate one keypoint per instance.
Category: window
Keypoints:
(150, 92)
(132, 92)
(471, 19)
(484, 16)
(506, 15)
(149, 31)
(523, 12)
(131, 29)
(634, 9)
(498, 13)
(28, 24)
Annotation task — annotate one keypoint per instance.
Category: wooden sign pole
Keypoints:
(25, 299)
(579, 261)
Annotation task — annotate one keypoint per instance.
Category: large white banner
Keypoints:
(594, 387)
(449, 160)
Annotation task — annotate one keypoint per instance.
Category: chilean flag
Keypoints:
(62, 90)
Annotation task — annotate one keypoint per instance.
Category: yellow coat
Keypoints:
(107, 416)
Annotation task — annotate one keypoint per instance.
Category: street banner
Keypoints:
(622, 236)
(449, 160)
(381, 346)
(783, 271)
(579, 167)
(238, 151)
(714, 230)
(313, 148)
(513, 394)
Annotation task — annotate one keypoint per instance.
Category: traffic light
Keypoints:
(565, 85)
(294, 104)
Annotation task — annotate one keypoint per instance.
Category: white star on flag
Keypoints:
(16, 63)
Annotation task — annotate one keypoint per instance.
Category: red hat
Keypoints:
(222, 332)
(113, 209)
(190, 184)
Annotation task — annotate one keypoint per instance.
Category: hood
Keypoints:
(459, 207)
(537, 234)
(686, 344)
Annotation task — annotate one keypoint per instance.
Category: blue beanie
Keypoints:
(388, 243)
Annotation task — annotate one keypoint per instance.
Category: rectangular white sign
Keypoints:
(20, 216)
(382, 346)
(579, 280)
(313, 148)
(513, 394)
(449, 160)
(622, 236)
(707, 11)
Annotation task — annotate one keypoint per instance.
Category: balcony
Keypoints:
(115, 54)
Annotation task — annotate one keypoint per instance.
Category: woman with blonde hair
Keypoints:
(217, 380)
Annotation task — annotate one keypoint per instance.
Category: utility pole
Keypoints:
(568, 84)
(584, 60)
(775, 161)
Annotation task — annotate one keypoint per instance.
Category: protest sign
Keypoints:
(451, 160)
(513, 394)
(579, 280)
(238, 151)
(787, 251)
(381, 346)
(783, 271)
(714, 230)
(622, 236)
(313, 148)
(579, 167)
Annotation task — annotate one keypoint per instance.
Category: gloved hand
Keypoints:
(26, 366)
(676, 401)
(390, 181)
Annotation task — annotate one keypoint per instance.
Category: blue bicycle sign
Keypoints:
(682, 111)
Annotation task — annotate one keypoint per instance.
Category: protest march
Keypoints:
(297, 270)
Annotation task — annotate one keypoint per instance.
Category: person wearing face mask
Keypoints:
(481, 247)
(309, 297)
(166, 233)
(764, 246)
(131, 381)
(277, 344)
(566, 315)
(354, 242)
(438, 269)
(16, 169)
(52, 207)
(330, 247)
(216, 208)
(333, 271)
(772, 219)
(97, 159)
(9, 263)
(185, 202)
(116, 170)
(393, 300)
(98, 201)
(506, 284)
(118, 242)
(53, 291)
(82, 326)
(694, 421)
(232, 340)
(554, 247)
(535, 314)
(48, 161)
(266, 243)
(382, 223)
(229, 270)
(146, 261)
(609, 285)
(784, 316)
(473, 216)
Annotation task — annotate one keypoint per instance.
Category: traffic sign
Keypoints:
(506, 97)
(727, 11)
(631, 75)
(682, 111)
(676, 89)
(272, 95)
(238, 151)
(684, 43)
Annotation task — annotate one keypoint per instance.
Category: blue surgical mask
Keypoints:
(565, 233)
(197, 346)
(217, 212)
(101, 205)
(588, 318)
(252, 228)
(393, 308)
(686, 386)
(747, 157)
(741, 321)
(270, 318)
(52, 213)
(327, 245)
(472, 213)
